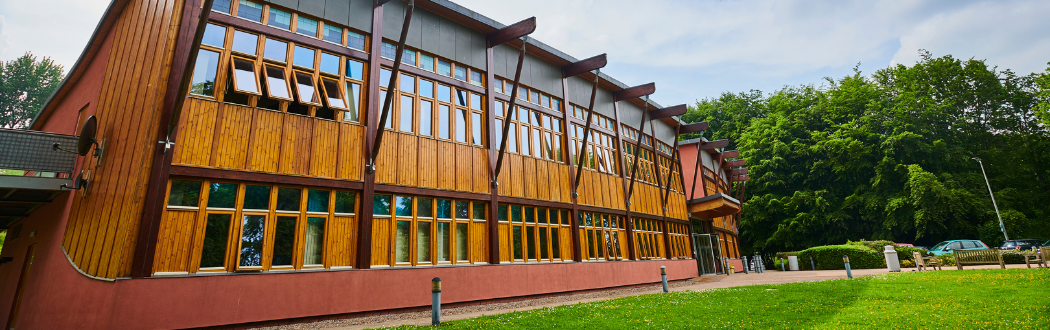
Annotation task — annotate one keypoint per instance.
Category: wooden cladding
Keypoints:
(531, 178)
(601, 190)
(410, 160)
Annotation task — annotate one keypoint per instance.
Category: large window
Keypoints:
(430, 231)
(532, 133)
(427, 108)
(600, 154)
(602, 236)
(259, 227)
(680, 234)
(528, 95)
(646, 172)
(648, 238)
(536, 234)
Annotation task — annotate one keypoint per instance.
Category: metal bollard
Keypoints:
(663, 274)
(744, 261)
(845, 259)
(812, 264)
(782, 265)
(435, 305)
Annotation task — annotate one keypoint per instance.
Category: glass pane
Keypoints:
(306, 26)
(305, 85)
(461, 126)
(555, 251)
(277, 84)
(404, 206)
(283, 241)
(444, 68)
(536, 142)
(444, 208)
(590, 244)
(184, 193)
(314, 249)
(355, 40)
(512, 139)
(408, 57)
(390, 121)
(545, 101)
(355, 70)
(530, 242)
(256, 198)
(245, 42)
(565, 218)
(204, 73)
(407, 105)
(244, 72)
(288, 199)
(402, 241)
(252, 230)
(344, 202)
(479, 211)
(426, 118)
(476, 129)
(547, 147)
(499, 131)
(216, 232)
(250, 10)
(517, 242)
(276, 50)
(333, 95)
(280, 19)
(543, 243)
(461, 242)
(498, 86)
(214, 35)
(329, 63)
(423, 242)
(534, 97)
(426, 88)
(384, 78)
(303, 57)
(426, 62)
(515, 213)
(525, 150)
(475, 101)
(354, 91)
(381, 205)
(461, 97)
(221, 6)
(502, 213)
(462, 210)
(461, 73)
(444, 93)
(541, 216)
(317, 201)
(530, 215)
(333, 33)
(408, 84)
(475, 78)
(444, 241)
(221, 195)
(425, 208)
(443, 124)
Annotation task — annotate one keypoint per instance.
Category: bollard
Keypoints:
(435, 305)
(845, 259)
(782, 265)
(744, 261)
(812, 264)
(725, 266)
(663, 274)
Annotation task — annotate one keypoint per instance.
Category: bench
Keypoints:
(926, 262)
(978, 257)
(1038, 258)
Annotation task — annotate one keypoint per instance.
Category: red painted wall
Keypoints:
(688, 158)
(84, 95)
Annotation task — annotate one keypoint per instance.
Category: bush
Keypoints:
(905, 253)
(946, 260)
(1014, 257)
(907, 264)
(878, 246)
(785, 255)
(830, 257)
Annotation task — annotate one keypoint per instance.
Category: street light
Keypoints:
(1001, 227)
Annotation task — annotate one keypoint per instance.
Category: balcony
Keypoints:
(713, 206)
(32, 171)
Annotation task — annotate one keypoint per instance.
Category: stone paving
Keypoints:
(694, 284)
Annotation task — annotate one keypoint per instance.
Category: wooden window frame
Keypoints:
(298, 91)
(255, 72)
(339, 90)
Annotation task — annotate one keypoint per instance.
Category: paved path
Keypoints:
(694, 284)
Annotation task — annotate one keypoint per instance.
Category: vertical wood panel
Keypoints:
(481, 178)
(479, 240)
(266, 143)
(428, 170)
(341, 242)
(381, 235)
(236, 125)
(175, 239)
(351, 154)
(446, 165)
(529, 176)
(386, 163)
(464, 168)
(543, 182)
(324, 149)
(295, 145)
(407, 151)
(197, 129)
(517, 176)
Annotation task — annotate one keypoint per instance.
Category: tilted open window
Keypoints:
(245, 79)
(277, 83)
(333, 94)
(304, 86)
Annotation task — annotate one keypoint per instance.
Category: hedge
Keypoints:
(830, 257)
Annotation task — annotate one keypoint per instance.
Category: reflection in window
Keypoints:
(404, 206)
(498, 86)
(476, 120)
(250, 10)
(423, 242)
(461, 126)
(444, 241)
(461, 242)
(461, 73)
(222, 195)
(283, 241)
(333, 95)
(333, 33)
(306, 26)
(288, 199)
(344, 202)
(444, 93)
(276, 50)
(426, 88)
(388, 50)
(461, 98)
(280, 19)
(221, 6)
(517, 242)
(303, 57)
(426, 62)
(475, 101)
(381, 205)
(276, 84)
(402, 239)
(425, 118)
(252, 229)
(408, 57)
(314, 249)
(317, 201)
(353, 95)
(256, 197)
(444, 68)
(204, 70)
(329, 63)
(216, 232)
(408, 84)
(245, 42)
(406, 113)
(304, 85)
(355, 41)
(475, 78)
(384, 77)
(444, 207)
(443, 121)
(244, 78)
(355, 70)
(184, 193)
(214, 35)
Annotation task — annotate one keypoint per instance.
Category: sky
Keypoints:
(692, 49)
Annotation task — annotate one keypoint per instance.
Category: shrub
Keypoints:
(905, 253)
(946, 260)
(830, 257)
(785, 255)
(907, 264)
(1013, 257)
(877, 245)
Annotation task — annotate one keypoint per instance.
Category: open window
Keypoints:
(245, 79)
(277, 83)
(304, 86)
(333, 94)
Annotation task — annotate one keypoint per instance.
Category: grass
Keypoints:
(971, 299)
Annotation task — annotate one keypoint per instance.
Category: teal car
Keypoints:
(947, 247)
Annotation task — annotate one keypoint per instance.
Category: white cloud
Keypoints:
(49, 28)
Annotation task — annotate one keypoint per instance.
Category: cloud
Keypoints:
(5, 39)
(49, 28)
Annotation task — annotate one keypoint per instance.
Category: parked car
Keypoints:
(1020, 244)
(904, 244)
(947, 247)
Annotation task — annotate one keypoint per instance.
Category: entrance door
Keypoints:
(704, 253)
(26, 265)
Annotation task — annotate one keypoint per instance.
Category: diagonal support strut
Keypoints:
(394, 73)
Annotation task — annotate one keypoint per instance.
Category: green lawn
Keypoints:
(972, 299)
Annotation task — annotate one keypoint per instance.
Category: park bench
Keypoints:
(1038, 258)
(978, 257)
(926, 262)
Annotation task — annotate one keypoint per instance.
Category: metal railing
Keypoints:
(36, 151)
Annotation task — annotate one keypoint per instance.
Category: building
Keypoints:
(716, 201)
(247, 178)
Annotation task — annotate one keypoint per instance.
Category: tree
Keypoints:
(1042, 82)
(25, 84)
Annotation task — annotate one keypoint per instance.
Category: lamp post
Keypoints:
(1001, 227)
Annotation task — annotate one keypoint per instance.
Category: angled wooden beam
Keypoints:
(734, 163)
(694, 127)
(637, 149)
(674, 162)
(633, 92)
(582, 155)
(740, 178)
(511, 32)
(587, 65)
(394, 72)
(507, 116)
(709, 145)
(740, 171)
(677, 110)
(698, 172)
(729, 154)
(656, 164)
